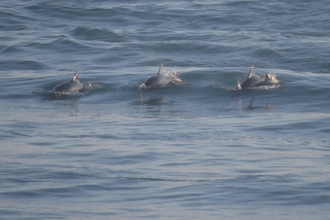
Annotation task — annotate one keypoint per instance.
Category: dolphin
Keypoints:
(74, 85)
(254, 80)
(269, 79)
(251, 81)
(160, 80)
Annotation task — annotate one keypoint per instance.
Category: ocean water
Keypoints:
(204, 150)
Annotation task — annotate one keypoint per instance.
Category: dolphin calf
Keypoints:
(160, 80)
(254, 80)
(269, 79)
(74, 85)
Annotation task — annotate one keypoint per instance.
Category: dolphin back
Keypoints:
(74, 85)
(254, 80)
(159, 80)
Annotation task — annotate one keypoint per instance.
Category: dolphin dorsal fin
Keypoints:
(251, 71)
(160, 71)
(75, 76)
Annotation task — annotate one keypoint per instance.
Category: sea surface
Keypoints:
(203, 150)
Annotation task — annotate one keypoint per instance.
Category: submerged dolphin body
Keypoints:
(254, 80)
(160, 80)
(74, 85)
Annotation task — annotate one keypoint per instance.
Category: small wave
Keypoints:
(13, 20)
(263, 87)
(223, 87)
(228, 88)
(89, 87)
(23, 65)
(12, 49)
(100, 34)
(153, 101)
(65, 43)
(39, 91)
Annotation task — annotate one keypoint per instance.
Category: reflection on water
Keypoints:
(155, 106)
(74, 108)
(153, 101)
(251, 106)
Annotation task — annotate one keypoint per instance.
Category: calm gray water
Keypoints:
(201, 151)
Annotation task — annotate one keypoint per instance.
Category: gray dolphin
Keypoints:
(254, 80)
(160, 80)
(74, 85)
(251, 81)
